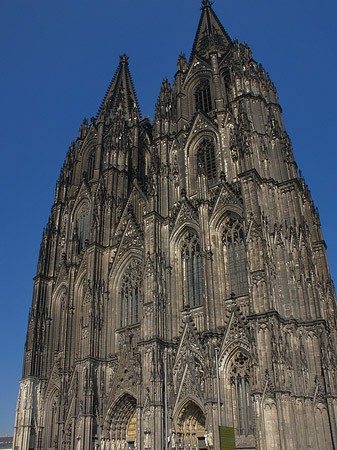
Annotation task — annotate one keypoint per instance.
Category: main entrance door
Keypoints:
(189, 428)
(121, 424)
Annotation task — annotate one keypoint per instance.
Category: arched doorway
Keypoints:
(189, 428)
(121, 423)
(131, 434)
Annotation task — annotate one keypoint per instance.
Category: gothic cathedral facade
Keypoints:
(182, 281)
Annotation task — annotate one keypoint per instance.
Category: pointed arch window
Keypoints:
(91, 165)
(192, 270)
(203, 100)
(207, 160)
(235, 256)
(241, 394)
(130, 294)
(82, 226)
(227, 80)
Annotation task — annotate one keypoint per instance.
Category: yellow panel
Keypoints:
(132, 429)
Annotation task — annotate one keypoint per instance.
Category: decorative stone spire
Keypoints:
(182, 63)
(164, 108)
(210, 36)
(121, 96)
(164, 103)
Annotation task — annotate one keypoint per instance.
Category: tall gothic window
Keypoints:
(91, 164)
(203, 101)
(192, 270)
(241, 397)
(82, 225)
(52, 422)
(227, 81)
(130, 294)
(207, 161)
(234, 254)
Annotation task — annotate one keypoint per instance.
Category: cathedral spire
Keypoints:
(121, 96)
(211, 35)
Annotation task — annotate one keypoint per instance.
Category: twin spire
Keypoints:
(121, 96)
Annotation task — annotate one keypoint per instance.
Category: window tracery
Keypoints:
(241, 396)
(235, 256)
(203, 100)
(82, 225)
(207, 160)
(130, 294)
(192, 270)
(227, 81)
(91, 165)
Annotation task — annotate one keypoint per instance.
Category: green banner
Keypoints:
(227, 438)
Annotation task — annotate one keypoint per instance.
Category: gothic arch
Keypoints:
(189, 267)
(81, 286)
(80, 219)
(225, 278)
(59, 310)
(235, 388)
(197, 159)
(132, 261)
(51, 420)
(88, 151)
(129, 293)
(193, 80)
(90, 163)
(123, 261)
(221, 214)
(233, 245)
(181, 230)
(189, 425)
(202, 95)
(117, 419)
(192, 85)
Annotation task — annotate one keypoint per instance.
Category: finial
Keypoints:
(123, 58)
(206, 4)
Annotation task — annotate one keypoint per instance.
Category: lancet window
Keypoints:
(241, 395)
(235, 256)
(130, 294)
(192, 270)
(207, 161)
(227, 81)
(91, 165)
(51, 421)
(203, 100)
(82, 225)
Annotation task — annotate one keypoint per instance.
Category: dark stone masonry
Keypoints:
(182, 281)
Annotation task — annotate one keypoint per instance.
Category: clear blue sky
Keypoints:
(57, 59)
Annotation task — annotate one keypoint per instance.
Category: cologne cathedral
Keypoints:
(182, 284)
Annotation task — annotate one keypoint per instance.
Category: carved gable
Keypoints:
(236, 334)
(186, 214)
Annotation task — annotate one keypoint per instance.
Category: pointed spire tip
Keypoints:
(206, 4)
(124, 58)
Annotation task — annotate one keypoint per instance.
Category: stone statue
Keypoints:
(173, 440)
(209, 439)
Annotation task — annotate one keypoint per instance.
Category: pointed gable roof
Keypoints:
(121, 95)
(211, 35)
